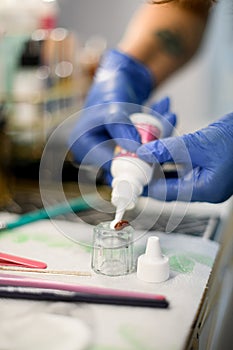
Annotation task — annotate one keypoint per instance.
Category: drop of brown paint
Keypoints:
(121, 224)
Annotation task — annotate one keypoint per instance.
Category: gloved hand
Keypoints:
(207, 158)
(120, 88)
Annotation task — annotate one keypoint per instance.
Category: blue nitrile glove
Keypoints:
(207, 158)
(120, 87)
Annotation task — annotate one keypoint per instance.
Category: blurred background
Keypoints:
(49, 51)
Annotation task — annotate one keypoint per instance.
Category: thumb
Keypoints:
(162, 106)
(162, 112)
(121, 129)
(169, 122)
(180, 188)
(171, 149)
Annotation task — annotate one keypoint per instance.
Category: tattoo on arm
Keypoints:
(171, 43)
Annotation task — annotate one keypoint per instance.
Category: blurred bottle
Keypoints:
(26, 120)
(18, 20)
(88, 59)
(48, 15)
(27, 85)
(25, 16)
(5, 160)
(91, 54)
(59, 55)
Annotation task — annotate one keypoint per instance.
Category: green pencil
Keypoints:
(76, 205)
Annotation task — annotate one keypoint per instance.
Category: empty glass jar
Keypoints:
(112, 253)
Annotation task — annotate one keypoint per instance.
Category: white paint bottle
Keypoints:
(130, 173)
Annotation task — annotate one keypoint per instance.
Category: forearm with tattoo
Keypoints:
(164, 37)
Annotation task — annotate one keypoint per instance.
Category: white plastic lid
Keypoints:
(153, 266)
(147, 119)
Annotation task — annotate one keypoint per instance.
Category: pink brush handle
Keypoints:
(8, 259)
(11, 280)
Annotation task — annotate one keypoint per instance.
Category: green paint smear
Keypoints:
(129, 334)
(22, 238)
(42, 238)
(87, 248)
(49, 240)
(204, 260)
(106, 347)
(181, 263)
(185, 263)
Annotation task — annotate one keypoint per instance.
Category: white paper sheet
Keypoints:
(191, 259)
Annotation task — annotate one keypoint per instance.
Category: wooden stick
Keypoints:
(45, 271)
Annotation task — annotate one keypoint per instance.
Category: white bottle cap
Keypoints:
(153, 266)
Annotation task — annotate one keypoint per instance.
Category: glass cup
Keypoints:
(112, 253)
